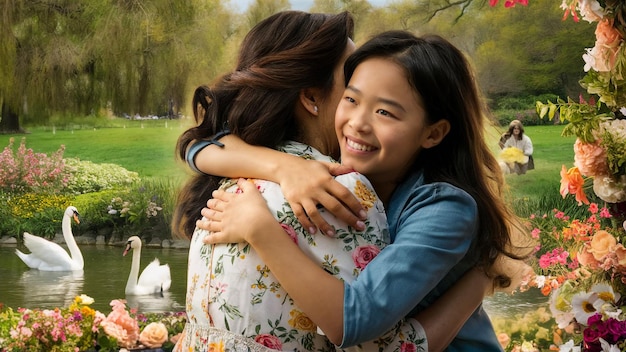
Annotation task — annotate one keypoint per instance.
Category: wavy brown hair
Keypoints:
(441, 75)
(280, 56)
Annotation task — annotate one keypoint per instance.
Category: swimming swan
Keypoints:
(48, 256)
(155, 278)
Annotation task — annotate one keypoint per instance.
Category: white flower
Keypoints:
(605, 293)
(590, 10)
(540, 280)
(569, 347)
(86, 300)
(609, 189)
(560, 309)
(606, 347)
(582, 306)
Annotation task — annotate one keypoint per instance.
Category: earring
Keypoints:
(315, 108)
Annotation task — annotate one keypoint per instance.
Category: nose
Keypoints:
(360, 120)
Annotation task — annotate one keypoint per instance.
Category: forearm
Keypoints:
(317, 293)
(443, 319)
(239, 159)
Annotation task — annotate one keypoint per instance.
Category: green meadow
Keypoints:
(148, 148)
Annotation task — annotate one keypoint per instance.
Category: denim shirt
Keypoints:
(432, 227)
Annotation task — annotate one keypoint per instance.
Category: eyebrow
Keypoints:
(382, 100)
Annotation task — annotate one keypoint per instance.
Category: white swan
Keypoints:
(48, 256)
(155, 278)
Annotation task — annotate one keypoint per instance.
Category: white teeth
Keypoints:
(354, 145)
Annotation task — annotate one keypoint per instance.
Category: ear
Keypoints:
(309, 100)
(436, 133)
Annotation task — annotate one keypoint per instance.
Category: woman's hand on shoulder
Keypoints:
(311, 186)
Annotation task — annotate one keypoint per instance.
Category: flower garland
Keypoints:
(81, 328)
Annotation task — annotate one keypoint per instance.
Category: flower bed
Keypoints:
(81, 328)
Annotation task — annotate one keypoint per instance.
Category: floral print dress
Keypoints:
(234, 303)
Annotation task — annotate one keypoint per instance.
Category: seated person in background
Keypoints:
(517, 153)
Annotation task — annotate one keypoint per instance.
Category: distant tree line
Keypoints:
(79, 58)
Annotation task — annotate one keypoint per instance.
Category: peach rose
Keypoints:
(607, 35)
(153, 335)
(585, 258)
(590, 158)
(602, 244)
(572, 183)
(120, 325)
(301, 321)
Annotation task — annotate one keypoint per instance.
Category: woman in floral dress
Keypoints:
(233, 300)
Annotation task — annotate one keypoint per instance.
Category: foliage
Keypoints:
(81, 328)
(24, 170)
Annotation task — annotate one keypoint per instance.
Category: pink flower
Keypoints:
(269, 341)
(590, 158)
(291, 232)
(362, 255)
(408, 347)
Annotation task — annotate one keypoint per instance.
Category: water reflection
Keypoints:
(42, 288)
(158, 302)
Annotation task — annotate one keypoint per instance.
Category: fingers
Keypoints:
(301, 214)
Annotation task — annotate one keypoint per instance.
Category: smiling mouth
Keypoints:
(357, 146)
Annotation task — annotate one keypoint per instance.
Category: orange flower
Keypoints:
(572, 182)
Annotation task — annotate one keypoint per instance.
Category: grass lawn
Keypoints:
(147, 147)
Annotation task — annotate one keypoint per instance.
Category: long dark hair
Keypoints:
(441, 75)
(283, 54)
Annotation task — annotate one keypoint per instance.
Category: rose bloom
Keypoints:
(590, 10)
(572, 183)
(408, 347)
(153, 335)
(590, 158)
(362, 255)
(609, 189)
(602, 243)
(269, 341)
(585, 258)
(301, 321)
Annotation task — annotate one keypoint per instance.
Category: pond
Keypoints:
(103, 278)
(106, 273)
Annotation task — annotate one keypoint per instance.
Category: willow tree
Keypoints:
(43, 62)
(78, 57)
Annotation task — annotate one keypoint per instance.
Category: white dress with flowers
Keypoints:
(234, 303)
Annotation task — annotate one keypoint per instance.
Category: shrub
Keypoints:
(36, 213)
(87, 176)
(24, 171)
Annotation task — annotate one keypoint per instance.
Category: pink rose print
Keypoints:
(364, 254)
(408, 347)
(269, 341)
(291, 232)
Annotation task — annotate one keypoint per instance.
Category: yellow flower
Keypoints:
(300, 321)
